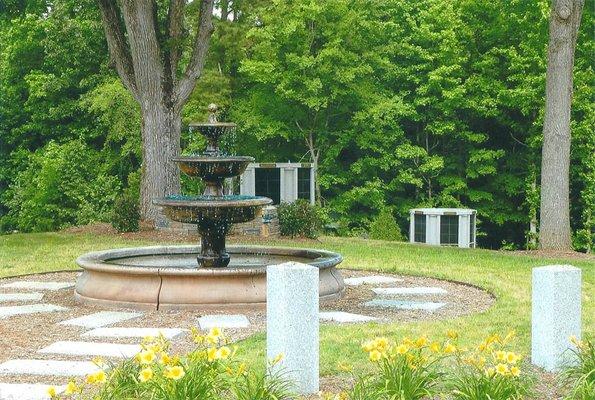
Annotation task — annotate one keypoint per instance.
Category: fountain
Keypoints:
(209, 275)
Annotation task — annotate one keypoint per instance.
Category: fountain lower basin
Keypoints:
(166, 277)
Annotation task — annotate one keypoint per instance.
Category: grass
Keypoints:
(506, 275)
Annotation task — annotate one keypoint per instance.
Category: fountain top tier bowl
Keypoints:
(166, 277)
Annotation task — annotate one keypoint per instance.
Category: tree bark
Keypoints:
(554, 231)
(161, 128)
(146, 57)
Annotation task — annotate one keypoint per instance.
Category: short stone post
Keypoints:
(556, 315)
(293, 324)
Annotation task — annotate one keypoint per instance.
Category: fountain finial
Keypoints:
(212, 112)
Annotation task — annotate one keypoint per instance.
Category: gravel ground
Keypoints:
(22, 336)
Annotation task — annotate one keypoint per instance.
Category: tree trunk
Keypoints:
(146, 53)
(555, 166)
(161, 127)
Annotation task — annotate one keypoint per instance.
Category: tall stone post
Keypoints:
(556, 315)
(293, 324)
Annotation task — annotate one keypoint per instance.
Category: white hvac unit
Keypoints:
(443, 226)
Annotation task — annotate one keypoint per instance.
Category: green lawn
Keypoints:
(506, 275)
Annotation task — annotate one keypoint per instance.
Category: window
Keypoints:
(304, 183)
(472, 229)
(419, 228)
(268, 183)
(449, 229)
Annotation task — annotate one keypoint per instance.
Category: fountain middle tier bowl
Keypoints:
(213, 168)
(166, 277)
(230, 209)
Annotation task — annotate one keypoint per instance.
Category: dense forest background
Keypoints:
(402, 104)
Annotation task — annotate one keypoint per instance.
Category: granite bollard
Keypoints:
(556, 315)
(293, 324)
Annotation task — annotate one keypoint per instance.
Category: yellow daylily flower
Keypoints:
(375, 355)
(174, 373)
(146, 357)
(71, 388)
(52, 392)
(145, 375)
(502, 369)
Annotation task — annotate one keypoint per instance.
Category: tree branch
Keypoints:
(116, 43)
(175, 29)
(145, 50)
(199, 52)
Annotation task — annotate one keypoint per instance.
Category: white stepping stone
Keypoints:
(12, 297)
(223, 321)
(10, 311)
(169, 333)
(48, 367)
(101, 318)
(371, 280)
(92, 349)
(26, 391)
(420, 290)
(32, 285)
(405, 305)
(344, 317)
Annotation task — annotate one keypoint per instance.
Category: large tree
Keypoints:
(146, 44)
(555, 165)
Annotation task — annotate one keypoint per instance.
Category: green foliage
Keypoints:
(400, 103)
(125, 216)
(61, 185)
(299, 218)
(384, 227)
(579, 375)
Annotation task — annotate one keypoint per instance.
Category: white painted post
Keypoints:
(293, 323)
(464, 234)
(556, 315)
(411, 226)
(248, 181)
(433, 229)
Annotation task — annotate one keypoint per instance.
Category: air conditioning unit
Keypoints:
(443, 226)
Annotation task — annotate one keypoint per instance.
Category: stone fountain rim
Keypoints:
(204, 158)
(98, 260)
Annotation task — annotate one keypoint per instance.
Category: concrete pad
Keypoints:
(9, 311)
(33, 285)
(92, 349)
(101, 318)
(13, 297)
(420, 290)
(344, 317)
(371, 280)
(223, 321)
(405, 305)
(48, 367)
(169, 333)
(26, 391)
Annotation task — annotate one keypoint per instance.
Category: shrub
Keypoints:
(299, 218)
(207, 372)
(579, 376)
(384, 227)
(126, 213)
(61, 186)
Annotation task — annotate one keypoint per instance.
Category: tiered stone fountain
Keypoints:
(209, 275)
